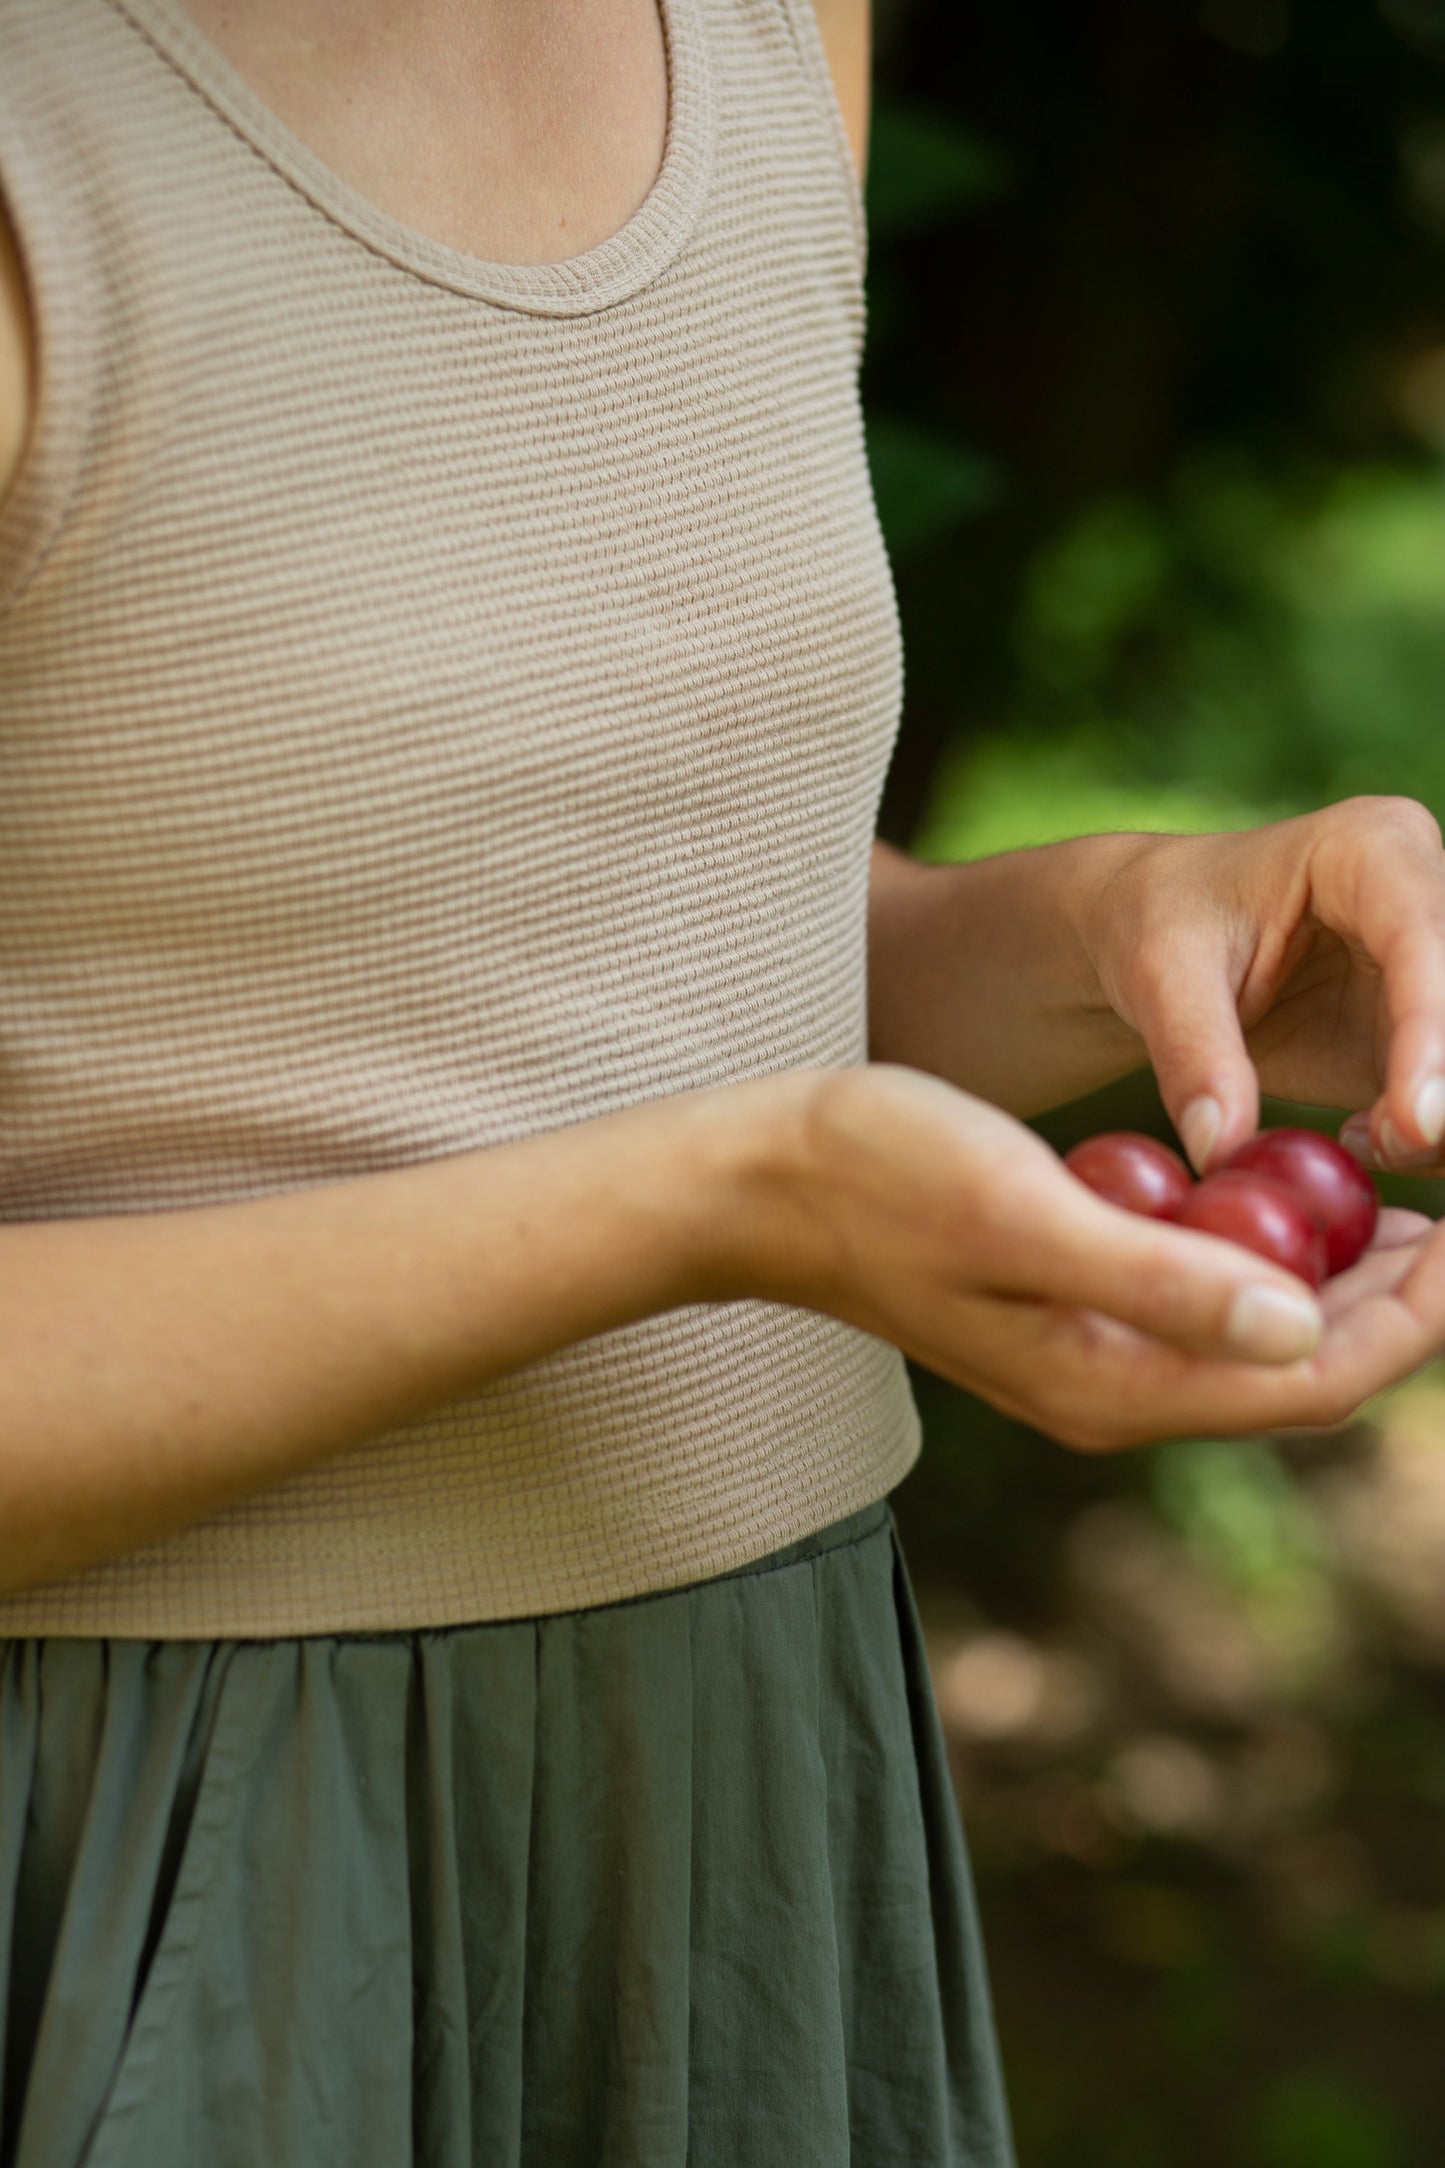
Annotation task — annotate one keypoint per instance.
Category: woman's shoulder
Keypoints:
(846, 26)
(15, 371)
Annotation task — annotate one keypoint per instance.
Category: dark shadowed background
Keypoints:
(1155, 385)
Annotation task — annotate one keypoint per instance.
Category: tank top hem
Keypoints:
(288, 1597)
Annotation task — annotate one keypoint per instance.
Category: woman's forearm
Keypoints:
(154, 1367)
(980, 973)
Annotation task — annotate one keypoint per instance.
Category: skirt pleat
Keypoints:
(673, 1883)
(470, 1775)
(769, 2040)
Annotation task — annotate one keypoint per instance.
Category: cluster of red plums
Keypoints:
(1291, 1195)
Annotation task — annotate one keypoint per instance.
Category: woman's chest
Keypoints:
(517, 131)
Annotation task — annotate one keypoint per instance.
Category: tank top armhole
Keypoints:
(59, 288)
(803, 20)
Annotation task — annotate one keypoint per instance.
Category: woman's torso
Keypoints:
(536, 136)
(441, 700)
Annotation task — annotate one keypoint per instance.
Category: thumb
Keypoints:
(1185, 1010)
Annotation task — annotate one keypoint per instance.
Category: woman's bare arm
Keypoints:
(980, 973)
(155, 1367)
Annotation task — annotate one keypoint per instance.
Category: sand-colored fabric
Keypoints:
(439, 702)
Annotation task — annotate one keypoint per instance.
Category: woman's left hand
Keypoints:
(1306, 958)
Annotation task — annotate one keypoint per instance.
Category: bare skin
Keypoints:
(154, 1367)
(543, 120)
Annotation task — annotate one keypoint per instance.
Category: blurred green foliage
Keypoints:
(923, 484)
(1219, 656)
(1233, 1502)
(924, 168)
(1155, 398)
(1312, 2119)
(1155, 389)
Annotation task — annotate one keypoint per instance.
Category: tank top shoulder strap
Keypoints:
(54, 210)
(803, 24)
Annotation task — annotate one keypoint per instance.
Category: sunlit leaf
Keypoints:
(998, 794)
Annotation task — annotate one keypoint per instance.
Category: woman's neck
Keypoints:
(524, 131)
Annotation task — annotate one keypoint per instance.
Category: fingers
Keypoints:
(1184, 1006)
(1194, 1291)
(1408, 1120)
(1393, 1250)
(1383, 1329)
(1422, 1293)
(1383, 1268)
(1386, 1327)
(1097, 1385)
(1380, 885)
(1394, 1228)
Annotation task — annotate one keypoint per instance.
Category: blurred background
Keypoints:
(1155, 387)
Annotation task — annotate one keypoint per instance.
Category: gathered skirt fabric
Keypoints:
(674, 1881)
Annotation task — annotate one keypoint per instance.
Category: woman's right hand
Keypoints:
(930, 1218)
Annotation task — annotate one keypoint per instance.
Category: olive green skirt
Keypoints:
(678, 1880)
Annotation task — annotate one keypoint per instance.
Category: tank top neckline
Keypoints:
(599, 278)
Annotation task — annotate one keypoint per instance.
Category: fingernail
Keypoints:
(1355, 1137)
(1430, 1110)
(1268, 1325)
(1199, 1126)
(1396, 1153)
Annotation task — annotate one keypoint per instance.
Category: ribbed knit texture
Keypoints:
(439, 702)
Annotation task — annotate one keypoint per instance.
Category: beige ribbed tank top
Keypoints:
(439, 701)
